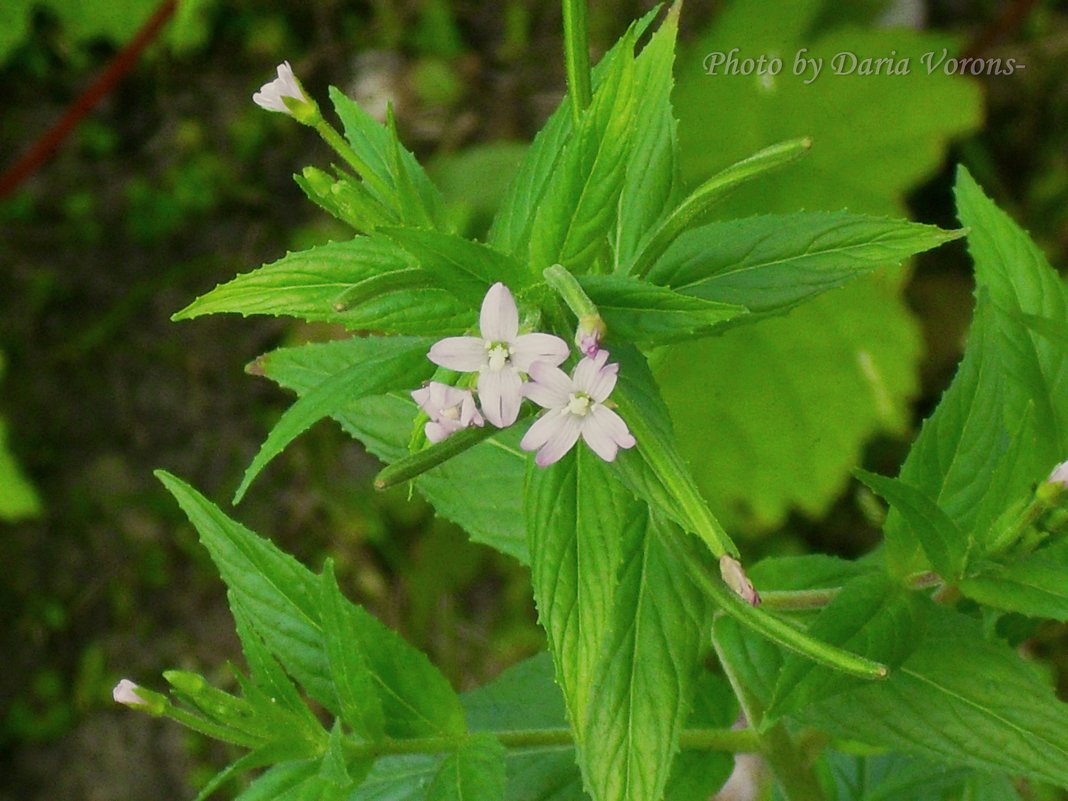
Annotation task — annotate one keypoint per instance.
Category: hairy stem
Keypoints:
(577, 56)
(340, 146)
(791, 768)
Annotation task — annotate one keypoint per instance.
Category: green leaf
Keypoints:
(511, 229)
(773, 262)
(896, 777)
(365, 284)
(641, 312)
(278, 780)
(481, 489)
(474, 773)
(375, 366)
(361, 706)
(698, 775)
(281, 600)
(1011, 268)
(971, 456)
(961, 700)
(345, 198)
(577, 514)
(946, 545)
(467, 268)
(650, 180)
(573, 221)
(1036, 585)
(652, 653)
(392, 166)
(654, 470)
(872, 616)
(786, 406)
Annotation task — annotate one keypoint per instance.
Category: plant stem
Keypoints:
(340, 146)
(798, 600)
(577, 56)
(792, 770)
(730, 740)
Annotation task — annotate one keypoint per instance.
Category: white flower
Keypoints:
(125, 692)
(450, 409)
(499, 355)
(285, 85)
(576, 408)
(1059, 475)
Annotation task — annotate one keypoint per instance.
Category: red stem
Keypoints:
(122, 63)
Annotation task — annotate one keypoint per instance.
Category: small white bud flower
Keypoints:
(272, 95)
(125, 693)
(1059, 475)
(734, 577)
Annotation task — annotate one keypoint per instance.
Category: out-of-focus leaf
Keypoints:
(774, 416)
(18, 499)
(874, 137)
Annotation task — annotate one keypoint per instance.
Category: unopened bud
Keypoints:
(285, 95)
(125, 692)
(734, 577)
(1059, 475)
(134, 696)
(590, 332)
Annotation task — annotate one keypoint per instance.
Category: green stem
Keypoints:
(577, 56)
(789, 765)
(340, 146)
(728, 740)
(769, 626)
(701, 200)
(798, 600)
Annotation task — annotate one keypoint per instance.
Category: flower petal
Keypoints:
(531, 348)
(596, 378)
(436, 432)
(564, 436)
(549, 386)
(542, 429)
(499, 319)
(466, 354)
(500, 392)
(469, 415)
(605, 432)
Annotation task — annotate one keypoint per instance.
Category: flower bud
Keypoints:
(1059, 475)
(134, 696)
(588, 336)
(734, 577)
(285, 95)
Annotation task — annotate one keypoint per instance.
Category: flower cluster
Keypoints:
(513, 366)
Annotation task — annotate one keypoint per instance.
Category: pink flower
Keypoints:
(271, 95)
(499, 355)
(450, 409)
(575, 409)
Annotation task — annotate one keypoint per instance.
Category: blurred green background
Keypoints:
(175, 181)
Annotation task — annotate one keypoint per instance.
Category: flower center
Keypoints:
(451, 412)
(497, 355)
(579, 404)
